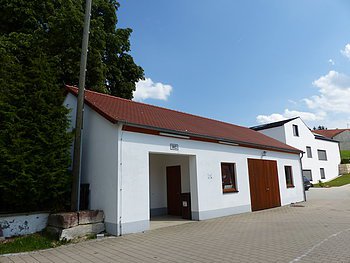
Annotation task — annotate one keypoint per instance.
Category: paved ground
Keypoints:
(318, 232)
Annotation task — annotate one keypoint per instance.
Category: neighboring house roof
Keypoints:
(330, 133)
(147, 116)
(321, 137)
(271, 124)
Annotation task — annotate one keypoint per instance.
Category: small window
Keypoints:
(308, 152)
(295, 130)
(289, 176)
(322, 155)
(323, 175)
(307, 174)
(228, 175)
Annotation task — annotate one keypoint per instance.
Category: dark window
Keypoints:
(323, 175)
(228, 175)
(295, 130)
(307, 174)
(308, 152)
(289, 176)
(322, 155)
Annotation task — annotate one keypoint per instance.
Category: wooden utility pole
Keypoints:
(75, 199)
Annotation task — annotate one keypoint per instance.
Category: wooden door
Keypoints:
(173, 180)
(264, 186)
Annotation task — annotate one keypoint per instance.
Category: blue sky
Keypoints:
(244, 62)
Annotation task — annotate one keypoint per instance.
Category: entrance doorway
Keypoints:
(172, 185)
(264, 186)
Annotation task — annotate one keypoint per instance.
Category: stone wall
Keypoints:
(344, 169)
(67, 226)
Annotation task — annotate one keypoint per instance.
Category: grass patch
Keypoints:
(345, 156)
(28, 243)
(339, 181)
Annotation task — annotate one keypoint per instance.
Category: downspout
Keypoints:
(119, 179)
(302, 178)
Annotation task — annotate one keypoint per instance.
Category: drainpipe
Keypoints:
(119, 178)
(302, 178)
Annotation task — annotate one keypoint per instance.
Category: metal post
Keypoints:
(75, 199)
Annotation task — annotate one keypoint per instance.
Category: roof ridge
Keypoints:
(268, 124)
(336, 129)
(158, 107)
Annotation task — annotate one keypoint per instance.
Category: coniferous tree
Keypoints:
(34, 143)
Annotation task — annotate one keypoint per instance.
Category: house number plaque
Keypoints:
(174, 147)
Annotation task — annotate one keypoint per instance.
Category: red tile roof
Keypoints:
(330, 133)
(156, 118)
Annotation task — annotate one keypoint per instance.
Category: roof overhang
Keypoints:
(132, 127)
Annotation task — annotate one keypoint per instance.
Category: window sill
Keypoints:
(290, 186)
(229, 191)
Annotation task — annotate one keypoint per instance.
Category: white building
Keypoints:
(142, 161)
(321, 155)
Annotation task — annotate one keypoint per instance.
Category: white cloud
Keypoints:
(147, 89)
(346, 51)
(334, 93)
(331, 61)
(287, 114)
(329, 107)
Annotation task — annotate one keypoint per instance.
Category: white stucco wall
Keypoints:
(306, 138)
(204, 166)
(23, 224)
(99, 161)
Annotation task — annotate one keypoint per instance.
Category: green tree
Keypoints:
(58, 24)
(40, 45)
(34, 143)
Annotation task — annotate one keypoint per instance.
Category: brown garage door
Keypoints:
(263, 181)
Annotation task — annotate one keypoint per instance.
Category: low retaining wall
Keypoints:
(67, 226)
(344, 169)
(23, 224)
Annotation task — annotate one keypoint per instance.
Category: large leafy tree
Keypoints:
(59, 24)
(40, 44)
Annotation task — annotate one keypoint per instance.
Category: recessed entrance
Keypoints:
(263, 181)
(172, 181)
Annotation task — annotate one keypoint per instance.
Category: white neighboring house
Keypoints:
(142, 161)
(321, 154)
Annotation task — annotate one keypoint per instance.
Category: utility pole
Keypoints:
(75, 199)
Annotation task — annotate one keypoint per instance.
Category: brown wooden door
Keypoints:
(173, 181)
(263, 181)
